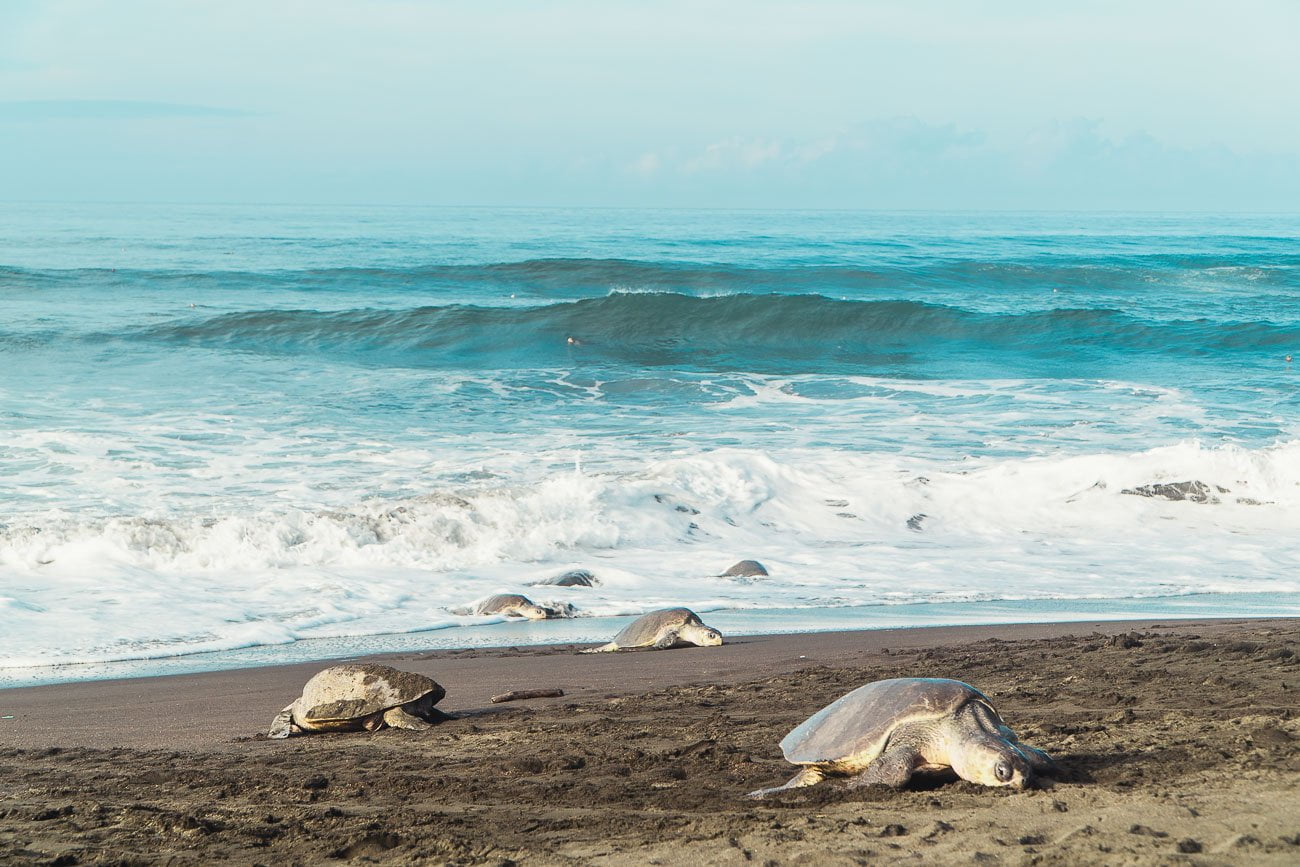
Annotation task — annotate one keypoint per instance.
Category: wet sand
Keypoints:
(1179, 742)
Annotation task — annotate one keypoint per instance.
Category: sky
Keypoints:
(922, 104)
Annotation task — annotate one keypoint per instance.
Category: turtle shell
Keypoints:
(572, 578)
(499, 602)
(348, 692)
(859, 724)
(645, 629)
(746, 569)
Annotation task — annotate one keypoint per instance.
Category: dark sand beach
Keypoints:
(1179, 742)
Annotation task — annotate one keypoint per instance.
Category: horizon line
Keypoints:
(703, 208)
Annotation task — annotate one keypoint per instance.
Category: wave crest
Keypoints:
(764, 333)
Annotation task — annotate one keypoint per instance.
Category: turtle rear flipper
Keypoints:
(282, 726)
(400, 719)
(604, 648)
(807, 777)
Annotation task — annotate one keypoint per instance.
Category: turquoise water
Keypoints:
(232, 427)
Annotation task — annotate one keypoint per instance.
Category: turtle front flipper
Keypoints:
(809, 776)
(891, 768)
(667, 640)
(604, 648)
(1040, 761)
(400, 719)
(282, 726)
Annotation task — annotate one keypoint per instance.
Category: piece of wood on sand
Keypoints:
(520, 694)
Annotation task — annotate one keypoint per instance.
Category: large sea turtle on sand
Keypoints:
(667, 627)
(885, 731)
(361, 697)
(511, 605)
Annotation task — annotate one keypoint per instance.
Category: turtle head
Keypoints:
(980, 751)
(700, 635)
(989, 760)
(531, 611)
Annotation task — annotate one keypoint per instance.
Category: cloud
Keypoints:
(811, 152)
(734, 154)
(106, 109)
(646, 164)
(893, 138)
(911, 163)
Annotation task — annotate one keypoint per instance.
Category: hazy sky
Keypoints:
(958, 104)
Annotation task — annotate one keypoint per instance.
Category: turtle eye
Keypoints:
(1003, 772)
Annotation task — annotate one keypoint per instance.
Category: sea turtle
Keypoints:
(885, 731)
(511, 605)
(746, 569)
(572, 578)
(356, 697)
(667, 627)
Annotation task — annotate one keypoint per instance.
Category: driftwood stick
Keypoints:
(518, 694)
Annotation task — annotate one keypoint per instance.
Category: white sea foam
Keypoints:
(833, 528)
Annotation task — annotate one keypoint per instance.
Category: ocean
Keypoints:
(242, 434)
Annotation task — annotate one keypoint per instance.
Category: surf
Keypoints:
(761, 333)
(836, 531)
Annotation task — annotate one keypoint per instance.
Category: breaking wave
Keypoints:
(835, 530)
(765, 333)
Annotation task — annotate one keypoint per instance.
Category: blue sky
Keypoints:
(929, 105)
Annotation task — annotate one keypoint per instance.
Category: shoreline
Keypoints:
(737, 622)
(35, 716)
(1178, 742)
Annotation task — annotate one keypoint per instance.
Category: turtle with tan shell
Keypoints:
(886, 731)
(662, 629)
(361, 698)
(572, 578)
(510, 605)
(746, 569)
